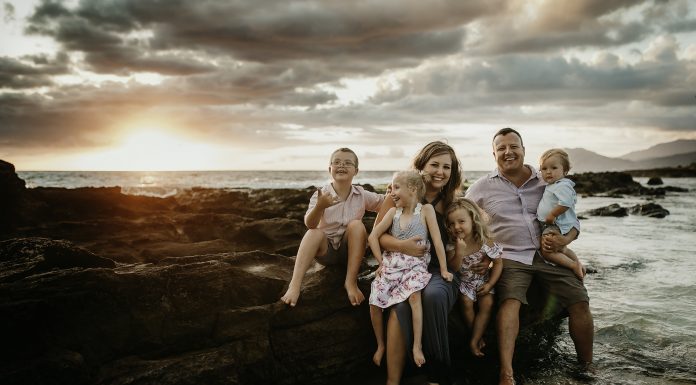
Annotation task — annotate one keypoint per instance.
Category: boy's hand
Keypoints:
(446, 275)
(484, 289)
(326, 200)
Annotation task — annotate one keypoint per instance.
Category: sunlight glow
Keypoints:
(153, 150)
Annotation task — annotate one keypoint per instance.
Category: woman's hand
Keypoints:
(482, 267)
(446, 275)
(413, 246)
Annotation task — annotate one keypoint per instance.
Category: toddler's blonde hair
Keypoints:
(479, 219)
(565, 159)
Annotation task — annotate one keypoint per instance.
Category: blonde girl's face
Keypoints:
(460, 224)
(401, 194)
(439, 167)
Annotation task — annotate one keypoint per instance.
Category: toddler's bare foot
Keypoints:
(579, 271)
(377, 357)
(355, 296)
(475, 347)
(418, 356)
(290, 297)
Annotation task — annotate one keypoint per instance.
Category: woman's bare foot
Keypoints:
(418, 356)
(377, 357)
(290, 297)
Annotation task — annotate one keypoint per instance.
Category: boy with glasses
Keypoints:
(335, 232)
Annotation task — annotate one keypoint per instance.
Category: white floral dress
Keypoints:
(470, 281)
(403, 274)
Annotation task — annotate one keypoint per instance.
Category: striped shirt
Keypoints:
(512, 212)
(335, 219)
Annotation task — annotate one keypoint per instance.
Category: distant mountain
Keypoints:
(585, 161)
(682, 146)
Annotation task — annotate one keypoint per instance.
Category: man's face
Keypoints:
(508, 152)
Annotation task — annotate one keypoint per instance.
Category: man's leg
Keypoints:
(508, 325)
(581, 327)
(313, 243)
(356, 236)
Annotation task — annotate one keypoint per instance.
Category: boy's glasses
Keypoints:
(341, 163)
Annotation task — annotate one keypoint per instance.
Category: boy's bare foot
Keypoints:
(418, 356)
(355, 296)
(475, 347)
(377, 357)
(290, 297)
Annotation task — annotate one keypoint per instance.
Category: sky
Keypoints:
(275, 85)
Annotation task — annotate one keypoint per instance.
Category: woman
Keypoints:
(439, 161)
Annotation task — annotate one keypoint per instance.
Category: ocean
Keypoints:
(643, 295)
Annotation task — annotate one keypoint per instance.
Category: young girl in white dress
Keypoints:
(399, 276)
(470, 241)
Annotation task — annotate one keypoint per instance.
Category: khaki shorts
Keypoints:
(561, 284)
(335, 256)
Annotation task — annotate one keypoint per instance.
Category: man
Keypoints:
(510, 195)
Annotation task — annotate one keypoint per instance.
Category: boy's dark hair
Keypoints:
(345, 149)
(508, 130)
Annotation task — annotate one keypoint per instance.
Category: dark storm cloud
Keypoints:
(31, 71)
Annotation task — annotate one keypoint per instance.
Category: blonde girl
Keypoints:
(470, 241)
(400, 277)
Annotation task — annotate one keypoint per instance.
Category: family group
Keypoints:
(510, 227)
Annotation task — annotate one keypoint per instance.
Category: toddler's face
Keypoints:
(460, 224)
(552, 169)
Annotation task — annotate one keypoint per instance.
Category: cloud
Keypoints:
(31, 71)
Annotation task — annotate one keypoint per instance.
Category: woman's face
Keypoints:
(439, 167)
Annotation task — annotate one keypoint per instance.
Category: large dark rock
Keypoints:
(212, 319)
(614, 184)
(654, 181)
(613, 210)
(652, 210)
(12, 189)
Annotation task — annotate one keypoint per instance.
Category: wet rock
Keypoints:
(654, 181)
(652, 210)
(613, 210)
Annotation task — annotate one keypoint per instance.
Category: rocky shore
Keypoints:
(98, 287)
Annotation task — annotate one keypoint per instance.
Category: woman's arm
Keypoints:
(434, 230)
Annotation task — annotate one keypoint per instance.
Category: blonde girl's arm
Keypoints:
(434, 230)
(455, 255)
(377, 231)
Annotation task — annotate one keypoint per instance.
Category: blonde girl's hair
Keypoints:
(413, 179)
(440, 148)
(481, 233)
(565, 159)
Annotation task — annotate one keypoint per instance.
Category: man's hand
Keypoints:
(553, 242)
(482, 267)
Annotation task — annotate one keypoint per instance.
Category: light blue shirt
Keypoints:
(560, 193)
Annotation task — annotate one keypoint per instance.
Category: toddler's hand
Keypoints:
(550, 219)
(446, 275)
(484, 289)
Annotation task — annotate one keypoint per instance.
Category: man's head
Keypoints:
(508, 151)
